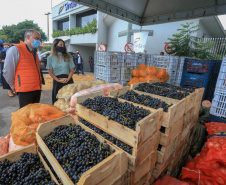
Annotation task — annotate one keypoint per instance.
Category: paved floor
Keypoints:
(11, 104)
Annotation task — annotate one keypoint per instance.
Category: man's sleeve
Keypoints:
(76, 56)
(11, 61)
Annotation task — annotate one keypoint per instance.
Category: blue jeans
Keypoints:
(91, 66)
(79, 67)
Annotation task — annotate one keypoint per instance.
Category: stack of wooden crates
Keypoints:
(160, 141)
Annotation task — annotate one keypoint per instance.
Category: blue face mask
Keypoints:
(35, 44)
(5, 49)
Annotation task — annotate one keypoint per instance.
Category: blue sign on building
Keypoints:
(67, 6)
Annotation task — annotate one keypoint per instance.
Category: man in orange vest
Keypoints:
(21, 69)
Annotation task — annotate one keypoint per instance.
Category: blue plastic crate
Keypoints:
(213, 118)
(195, 80)
(198, 66)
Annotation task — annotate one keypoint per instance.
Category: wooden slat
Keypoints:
(166, 151)
(107, 170)
(190, 102)
(188, 117)
(172, 132)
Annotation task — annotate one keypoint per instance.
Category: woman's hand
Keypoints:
(63, 80)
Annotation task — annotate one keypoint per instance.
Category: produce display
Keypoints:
(65, 93)
(110, 138)
(124, 113)
(4, 146)
(145, 100)
(26, 120)
(76, 150)
(144, 73)
(162, 91)
(26, 171)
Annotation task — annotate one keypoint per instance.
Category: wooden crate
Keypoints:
(122, 180)
(166, 151)
(172, 132)
(145, 128)
(188, 117)
(174, 112)
(190, 99)
(142, 170)
(105, 172)
(138, 155)
(15, 156)
(161, 169)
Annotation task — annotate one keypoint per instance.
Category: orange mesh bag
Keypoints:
(167, 180)
(214, 127)
(26, 120)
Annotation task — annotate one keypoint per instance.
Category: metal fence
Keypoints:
(217, 46)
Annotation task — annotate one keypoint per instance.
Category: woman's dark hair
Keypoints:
(65, 54)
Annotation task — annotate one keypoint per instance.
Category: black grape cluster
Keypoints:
(76, 150)
(179, 88)
(145, 100)
(110, 138)
(26, 171)
(162, 91)
(124, 113)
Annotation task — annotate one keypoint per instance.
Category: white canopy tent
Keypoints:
(148, 12)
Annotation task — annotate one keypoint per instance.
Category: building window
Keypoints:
(63, 24)
(83, 18)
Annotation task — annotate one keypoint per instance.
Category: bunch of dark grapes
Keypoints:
(145, 100)
(162, 91)
(76, 150)
(178, 88)
(110, 138)
(124, 113)
(26, 171)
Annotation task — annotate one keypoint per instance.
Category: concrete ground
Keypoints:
(11, 104)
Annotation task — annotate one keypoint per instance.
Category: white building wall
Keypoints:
(161, 33)
(116, 43)
(102, 33)
(203, 31)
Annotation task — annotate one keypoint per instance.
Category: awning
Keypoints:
(148, 12)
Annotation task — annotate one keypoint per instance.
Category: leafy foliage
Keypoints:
(186, 44)
(15, 33)
(46, 48)
(89, 28)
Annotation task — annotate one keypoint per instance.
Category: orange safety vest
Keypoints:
(28, 75)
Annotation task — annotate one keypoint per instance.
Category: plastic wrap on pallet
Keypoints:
(218, 107)
(108, 59)
(140, 59)
(128, 60)
(126, 73)
(166, 62)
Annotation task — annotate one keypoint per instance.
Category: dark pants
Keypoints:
(91, 66)
(26, 98)
(57, 86)
(4, 82)
(1, 73)
(79, 67)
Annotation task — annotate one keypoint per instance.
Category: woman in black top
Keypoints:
(2, 60)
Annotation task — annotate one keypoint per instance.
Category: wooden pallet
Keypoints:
(15, 156)
(170, 133)
(166, 151)
(122, 180)
(145, 128)
(138, 155)
(105, 172)
(175, 112)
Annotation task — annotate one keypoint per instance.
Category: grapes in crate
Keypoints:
(122, 112)
(26, 171)
(162, 91)
(76, 150)
(110, 138)
(145, 100)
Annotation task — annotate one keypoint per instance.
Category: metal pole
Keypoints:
(48, 24)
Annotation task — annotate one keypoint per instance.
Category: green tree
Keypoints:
(46, 48)
(186, 44)
(15, 33)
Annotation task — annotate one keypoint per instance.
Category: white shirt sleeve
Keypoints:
(11, 61)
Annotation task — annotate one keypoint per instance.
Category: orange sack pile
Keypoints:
(26, 120)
